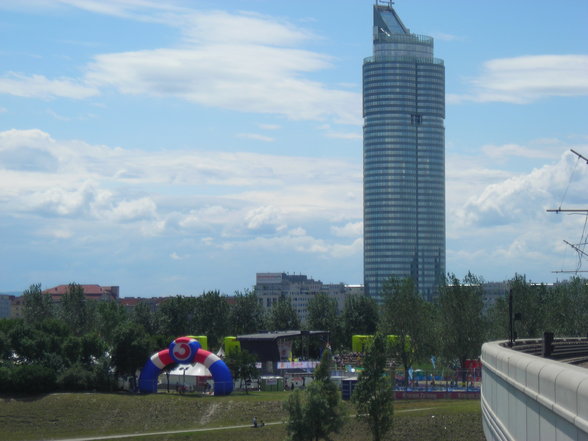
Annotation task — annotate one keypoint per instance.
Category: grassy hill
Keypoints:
(61, 416)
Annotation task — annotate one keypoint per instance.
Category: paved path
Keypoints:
(167, 432)
(206, 429)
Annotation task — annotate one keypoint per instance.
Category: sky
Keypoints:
(179, 147)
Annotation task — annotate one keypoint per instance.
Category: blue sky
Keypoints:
(182, 146)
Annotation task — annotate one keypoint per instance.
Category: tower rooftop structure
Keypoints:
(387, 21)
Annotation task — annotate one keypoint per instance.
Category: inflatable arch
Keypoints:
(186, 350)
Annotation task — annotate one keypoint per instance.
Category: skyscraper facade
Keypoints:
(404, 157)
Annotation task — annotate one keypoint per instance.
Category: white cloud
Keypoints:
(528, 78)
(127, 210)
(496, 210)
(176, 256)
(239, 61)
(297, 240)
(351, 229)
(256, 137)
(38, 86)
(241, 77)
(57, 233)
(260, 217)
(221, 27)
(145, 10)
(214, 194)
(523, 198)
(205, 216)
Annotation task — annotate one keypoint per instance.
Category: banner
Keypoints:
(285, 349)
(297, 364)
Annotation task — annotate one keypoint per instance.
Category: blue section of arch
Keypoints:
(223, 379)
(148, 378)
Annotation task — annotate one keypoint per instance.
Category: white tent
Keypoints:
(187, 375)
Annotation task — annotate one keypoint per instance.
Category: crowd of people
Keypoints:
(343, 359)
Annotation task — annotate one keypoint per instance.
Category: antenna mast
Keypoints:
(583, 240)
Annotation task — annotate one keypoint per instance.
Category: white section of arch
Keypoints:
(529, 398)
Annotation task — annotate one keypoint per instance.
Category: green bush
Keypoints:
(32, 379)
(5, 380)
(76, 378)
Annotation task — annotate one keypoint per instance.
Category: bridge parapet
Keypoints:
(526, 397)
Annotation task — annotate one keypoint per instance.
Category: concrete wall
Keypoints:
(525, 397)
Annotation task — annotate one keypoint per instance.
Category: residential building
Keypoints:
(91, 292)
(299, 289)
(6, 305)
(404, 157)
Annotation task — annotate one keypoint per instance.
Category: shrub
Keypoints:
(32, 379)
(76, 378)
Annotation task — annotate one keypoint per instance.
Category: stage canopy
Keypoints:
(277, 346)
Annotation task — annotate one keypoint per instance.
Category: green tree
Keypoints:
(462, 320)
(404, 315)
(108, 315)
(131, 348)
(529, 301)
(30, 345)
(497, 320)
(143, 315)
(318, 412)
(72, 350)
(5, 348)
(74, 309)
(373, 395)
(360, 316)
(323, 316)
(36, 305)
(212, 314)
(296, 426)
(246, 314)
(283, 316)
(242, 366)
(177, 317)
(566, 308)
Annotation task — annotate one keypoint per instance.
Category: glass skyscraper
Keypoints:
(403, 157)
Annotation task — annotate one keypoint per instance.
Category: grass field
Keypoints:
(61, 416)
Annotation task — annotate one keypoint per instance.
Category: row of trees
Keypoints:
(78, 344)
(458, 322)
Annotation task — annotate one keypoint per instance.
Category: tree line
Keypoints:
(78, 344)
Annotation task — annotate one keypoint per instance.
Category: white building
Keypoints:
(299, 289)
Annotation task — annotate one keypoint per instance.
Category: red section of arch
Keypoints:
(201, 355)
(165, 357)
(184, 339)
